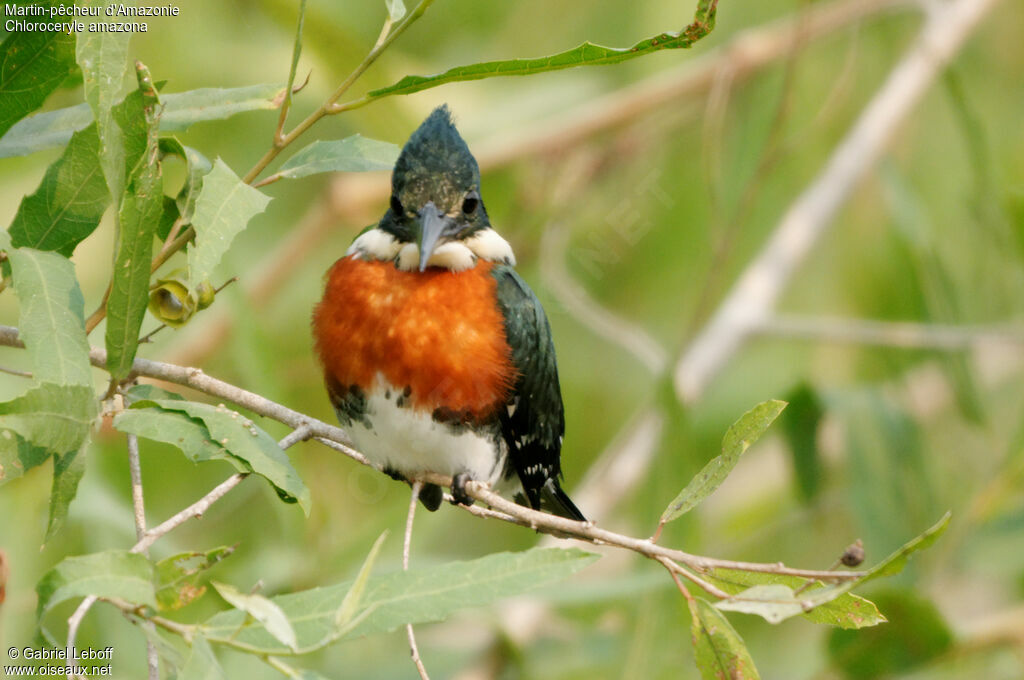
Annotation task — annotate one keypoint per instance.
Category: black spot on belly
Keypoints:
(403, 398)
(349, 403)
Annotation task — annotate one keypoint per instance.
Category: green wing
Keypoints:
(535, 422)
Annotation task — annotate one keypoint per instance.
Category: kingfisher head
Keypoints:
(435, 192)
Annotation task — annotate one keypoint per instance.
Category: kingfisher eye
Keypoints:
(470, 203)
(396, 206)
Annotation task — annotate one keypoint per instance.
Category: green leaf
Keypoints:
(224, 208)
(198, 166)
(181, 111)
(346, 613)
(178, 576)
(114, 573)
(586, 54)
(396, 9)
(800, 426)
(296, 52)
(718, 648)
(68, 469)
(846, 611)
(172, 427)
(51, 322)
(744, 432)
(352, 154)
(915, 635)
(891, 565)
(69, 202)
(415, 596)
(268, 614)
(147, 391)
(102, 56)
(32, 65)
(201, 663)
(773, 602)
(226, 428)
(141, 210)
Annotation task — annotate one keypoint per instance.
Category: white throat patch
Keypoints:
(455, 256)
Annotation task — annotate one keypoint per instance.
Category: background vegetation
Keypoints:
(651, 206)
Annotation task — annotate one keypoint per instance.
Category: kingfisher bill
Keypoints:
(437, 355)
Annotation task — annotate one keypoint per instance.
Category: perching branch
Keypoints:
(414, 650)
(500, 508)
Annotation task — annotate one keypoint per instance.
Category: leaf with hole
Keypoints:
(177, 576)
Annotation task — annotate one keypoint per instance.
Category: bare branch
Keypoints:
(195, 510)
(901, 334)
(753, 298)
(139, 508)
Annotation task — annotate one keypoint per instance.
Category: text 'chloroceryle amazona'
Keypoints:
(437, 355)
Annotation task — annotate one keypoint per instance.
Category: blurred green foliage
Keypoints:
(663, 210)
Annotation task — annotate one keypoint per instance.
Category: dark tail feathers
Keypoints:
(555, 501)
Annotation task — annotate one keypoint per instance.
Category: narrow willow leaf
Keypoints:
(51, 322)
(773, 602)
(69, 202)
(32, 65)
(587, 54)
(141, 209)
(198, 166)
(415, 596)
(243, 439)
(181, 111)
(268, 614)
(178, 576)
(744, 432)
(350, 605)
(103, 56)
(846, 611)
(296, 52)
(68, 470)
(224, 208)
(893, 564)
(719, 650)
(114, 573)
(201, 663)
(352, 154)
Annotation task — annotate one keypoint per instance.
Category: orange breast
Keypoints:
(440, 333)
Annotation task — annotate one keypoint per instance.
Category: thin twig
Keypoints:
(139, 508)
(754, 295)
(14, 371)
(330, 106)
(195, 510)
(414, 650)
(336, 438)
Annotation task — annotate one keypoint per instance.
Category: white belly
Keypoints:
(409, 441)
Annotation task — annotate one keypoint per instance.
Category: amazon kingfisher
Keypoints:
(437, 356)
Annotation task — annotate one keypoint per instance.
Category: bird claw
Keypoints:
(459, 494)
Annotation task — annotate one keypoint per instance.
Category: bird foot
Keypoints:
(459, 494)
